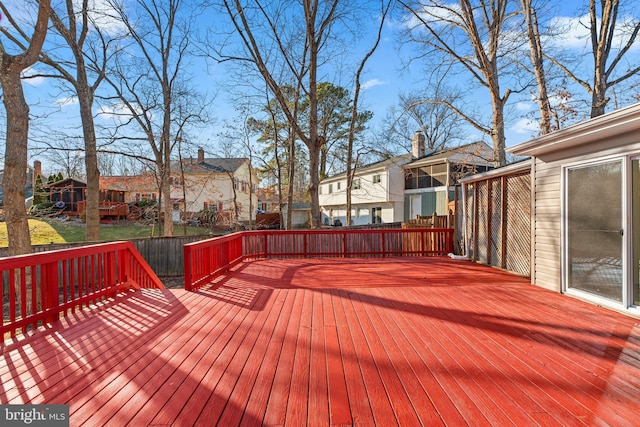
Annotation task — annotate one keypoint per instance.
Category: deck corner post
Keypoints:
(187, 267)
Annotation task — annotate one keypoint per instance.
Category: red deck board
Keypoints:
(336, 342)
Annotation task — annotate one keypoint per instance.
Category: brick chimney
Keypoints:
(37, 169)
(417, 144)
(200, 155)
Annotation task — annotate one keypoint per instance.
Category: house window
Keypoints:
(377, 179)
(338, 185)
(320, 189)
(426, 176)
(356, 184)
(376, 215)
(330, 188)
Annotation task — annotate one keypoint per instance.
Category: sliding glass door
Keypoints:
(595, 229)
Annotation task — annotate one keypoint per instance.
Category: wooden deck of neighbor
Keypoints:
(409, 341)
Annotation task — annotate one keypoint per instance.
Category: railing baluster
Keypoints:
(86, 275)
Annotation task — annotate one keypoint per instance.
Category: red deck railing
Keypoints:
(205, 260)
(37, 288)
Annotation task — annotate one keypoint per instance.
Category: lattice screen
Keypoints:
(481, 228)
(484, 217)
(518, 223)
(495, 232)
(470, 206)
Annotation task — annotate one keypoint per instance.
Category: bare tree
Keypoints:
(611, 42)
(354, 122)
(471, 35)
(537, 62)
(17, 118)
(84, 70)
(148, 86)
(428, 113)
(294, 35)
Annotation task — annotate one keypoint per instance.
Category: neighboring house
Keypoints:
(429, 180)
(584, 201)
(300, 215)
(31, 172)
(70, 194)
(196, 185)
(135, 188)
(376, 194)
(213, 183)
(403, 187)
(267, 200)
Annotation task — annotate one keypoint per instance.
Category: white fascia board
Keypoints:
(505, 170)
(598, 128)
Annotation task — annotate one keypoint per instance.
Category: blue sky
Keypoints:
(383, 80)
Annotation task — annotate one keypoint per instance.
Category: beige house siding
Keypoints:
(546, 214)
(547, 246)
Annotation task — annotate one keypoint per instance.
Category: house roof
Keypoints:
(209, 165)
(137, 183)
(66, 181)
(372, 166)
(267, 195)
(475, 152)
(599, 128)
(516, 167)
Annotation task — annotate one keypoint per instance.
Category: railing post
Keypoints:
(304, 245)
(49, 290)
(187, 267)
(344, 244)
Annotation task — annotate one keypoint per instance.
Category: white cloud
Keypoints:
(573, 32)
(64, 102)
(525, 126)
(117, 111)
(524, 106)
(102, 14)
(371, 83)
(28, 74)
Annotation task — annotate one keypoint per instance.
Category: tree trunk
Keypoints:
(168, 206)
(15, 160)
(537, 60)
(314, 184)
(85, 99)
(17, 134)
(291, 173)
(497, 130)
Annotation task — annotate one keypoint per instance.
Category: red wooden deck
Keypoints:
(408, 341)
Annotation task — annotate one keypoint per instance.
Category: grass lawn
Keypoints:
(60, 231)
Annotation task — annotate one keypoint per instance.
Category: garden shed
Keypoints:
(585, 230)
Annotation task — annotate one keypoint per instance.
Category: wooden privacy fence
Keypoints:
(163, 254)
(205, 260)
(37, 288)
